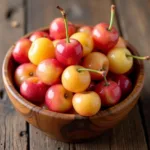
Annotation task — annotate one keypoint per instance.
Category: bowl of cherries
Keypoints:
(73, 82)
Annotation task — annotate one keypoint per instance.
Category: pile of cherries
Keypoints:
(69, 68)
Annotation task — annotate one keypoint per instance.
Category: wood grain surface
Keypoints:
(13, 135)
(134, 25)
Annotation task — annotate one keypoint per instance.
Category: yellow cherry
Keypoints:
(74, 80)
(119, 60)
(86, 41)
(86, 103)
(40, 50)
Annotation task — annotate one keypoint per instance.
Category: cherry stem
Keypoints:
(65, 21)
(105, 79)
(111, 17)
(139, 57)
(91, 70)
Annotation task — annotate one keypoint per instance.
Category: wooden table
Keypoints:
(133, 23)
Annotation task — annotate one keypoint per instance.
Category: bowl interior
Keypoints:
(137, 77)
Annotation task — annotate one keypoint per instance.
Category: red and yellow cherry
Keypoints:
(74, 80)
(58, 99)
(109, 92)
(40, 50)
(86, 29)
(105, 36)
(49, 71)
(86, 103)
(97, 61)
(86, 41)
(23, 72)
(57, 29)
(120, 43)
(77, 78)
(39, 34)
(33, 90)
(125, 84)
(20, 51)
(121, 60)
(69, 51)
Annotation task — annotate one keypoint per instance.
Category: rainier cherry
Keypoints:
(33, 90)
(109, 92)
(105, 35)
(97, 61)
(49, 71)
(40, 50)
(58, 99)
(86, 103)
(125, 84)
(121, 60)
(57, 29)
(23, 72)
(20, 51)
(69, 51)
(77, 78)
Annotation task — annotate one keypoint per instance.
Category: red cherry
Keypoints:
(104, 35)
(57, 29)
(124, 83)
(39, 34)
(20, 52)
(109, 92)
(33, 90)
(69, 51)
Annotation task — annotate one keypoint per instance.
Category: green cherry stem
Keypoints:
(65, 21)
(139, 57)
(111, 17)
(105, 79)
(91, 70)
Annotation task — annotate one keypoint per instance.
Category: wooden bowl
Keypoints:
(71, 127)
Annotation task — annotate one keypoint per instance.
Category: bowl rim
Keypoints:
(102, 113)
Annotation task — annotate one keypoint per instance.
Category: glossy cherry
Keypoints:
(105, 36)
(109, 92)
(125, 84)
(57, 29)
(121, 60)
(68, 51)
(20, 51)
(76, 78)
(33, 90)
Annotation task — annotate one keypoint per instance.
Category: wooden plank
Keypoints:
(13, 134)
(87, 12)
(129, 134)
(134, 22)
(39, 141)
